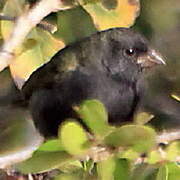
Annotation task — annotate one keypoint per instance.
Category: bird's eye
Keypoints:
(130, 52)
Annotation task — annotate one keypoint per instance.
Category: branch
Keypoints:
(23, 26)
(6, 18)
(168, 136)
(43, 24)
(99, 153)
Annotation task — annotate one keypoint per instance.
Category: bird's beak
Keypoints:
(150, 59)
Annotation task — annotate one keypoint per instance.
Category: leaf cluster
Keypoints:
(104, 152)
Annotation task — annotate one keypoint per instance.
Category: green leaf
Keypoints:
(154, 157)
(113, 168)
(106, 168)
(122, 170)
(71, 166)
(67, 177)
(173, 151)
(73, 137)
(43, 161)
(144, 172)
(162, 173)
(139, 138)
(51, 146)
(93, 114)
(88, 165)
(74, 24)
(174, 171)
(129, 154)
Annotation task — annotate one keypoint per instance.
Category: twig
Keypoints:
(47, 26)
(6, 18)
(23, 26)
(98, 153)
(168, 136)
(43, 24)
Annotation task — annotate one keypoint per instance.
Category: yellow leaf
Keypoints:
(34, 56)
(12, 8)
(38, 47)
(123, 15)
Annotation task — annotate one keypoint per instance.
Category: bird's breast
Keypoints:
(117, 96)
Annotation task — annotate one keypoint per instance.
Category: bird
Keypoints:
(107, 66)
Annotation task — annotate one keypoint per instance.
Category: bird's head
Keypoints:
(129, 53)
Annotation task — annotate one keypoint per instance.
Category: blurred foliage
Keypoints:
(94, 115)
(128, 152)
(120, 144)
(159, 21)
(73, 137)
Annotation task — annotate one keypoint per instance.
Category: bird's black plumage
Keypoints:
(104, 67)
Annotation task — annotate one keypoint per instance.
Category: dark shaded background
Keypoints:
(159, 21)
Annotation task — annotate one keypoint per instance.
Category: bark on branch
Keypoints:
(168, 136)
(43, 24)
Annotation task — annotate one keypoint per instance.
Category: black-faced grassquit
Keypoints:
(106, 66)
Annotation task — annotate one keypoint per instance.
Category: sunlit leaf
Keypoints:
(30, 59)
(43, 161)
(162, 173)
(113, 168)
(173, 171)
(51, 145)
(114, 13)
(73, 137)
(173, 151)
(129, 154)
(106, 169)
(154, 157)
(71, 166)
(88, 165)
(67, 177)
(94, 115)
(139, 138)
